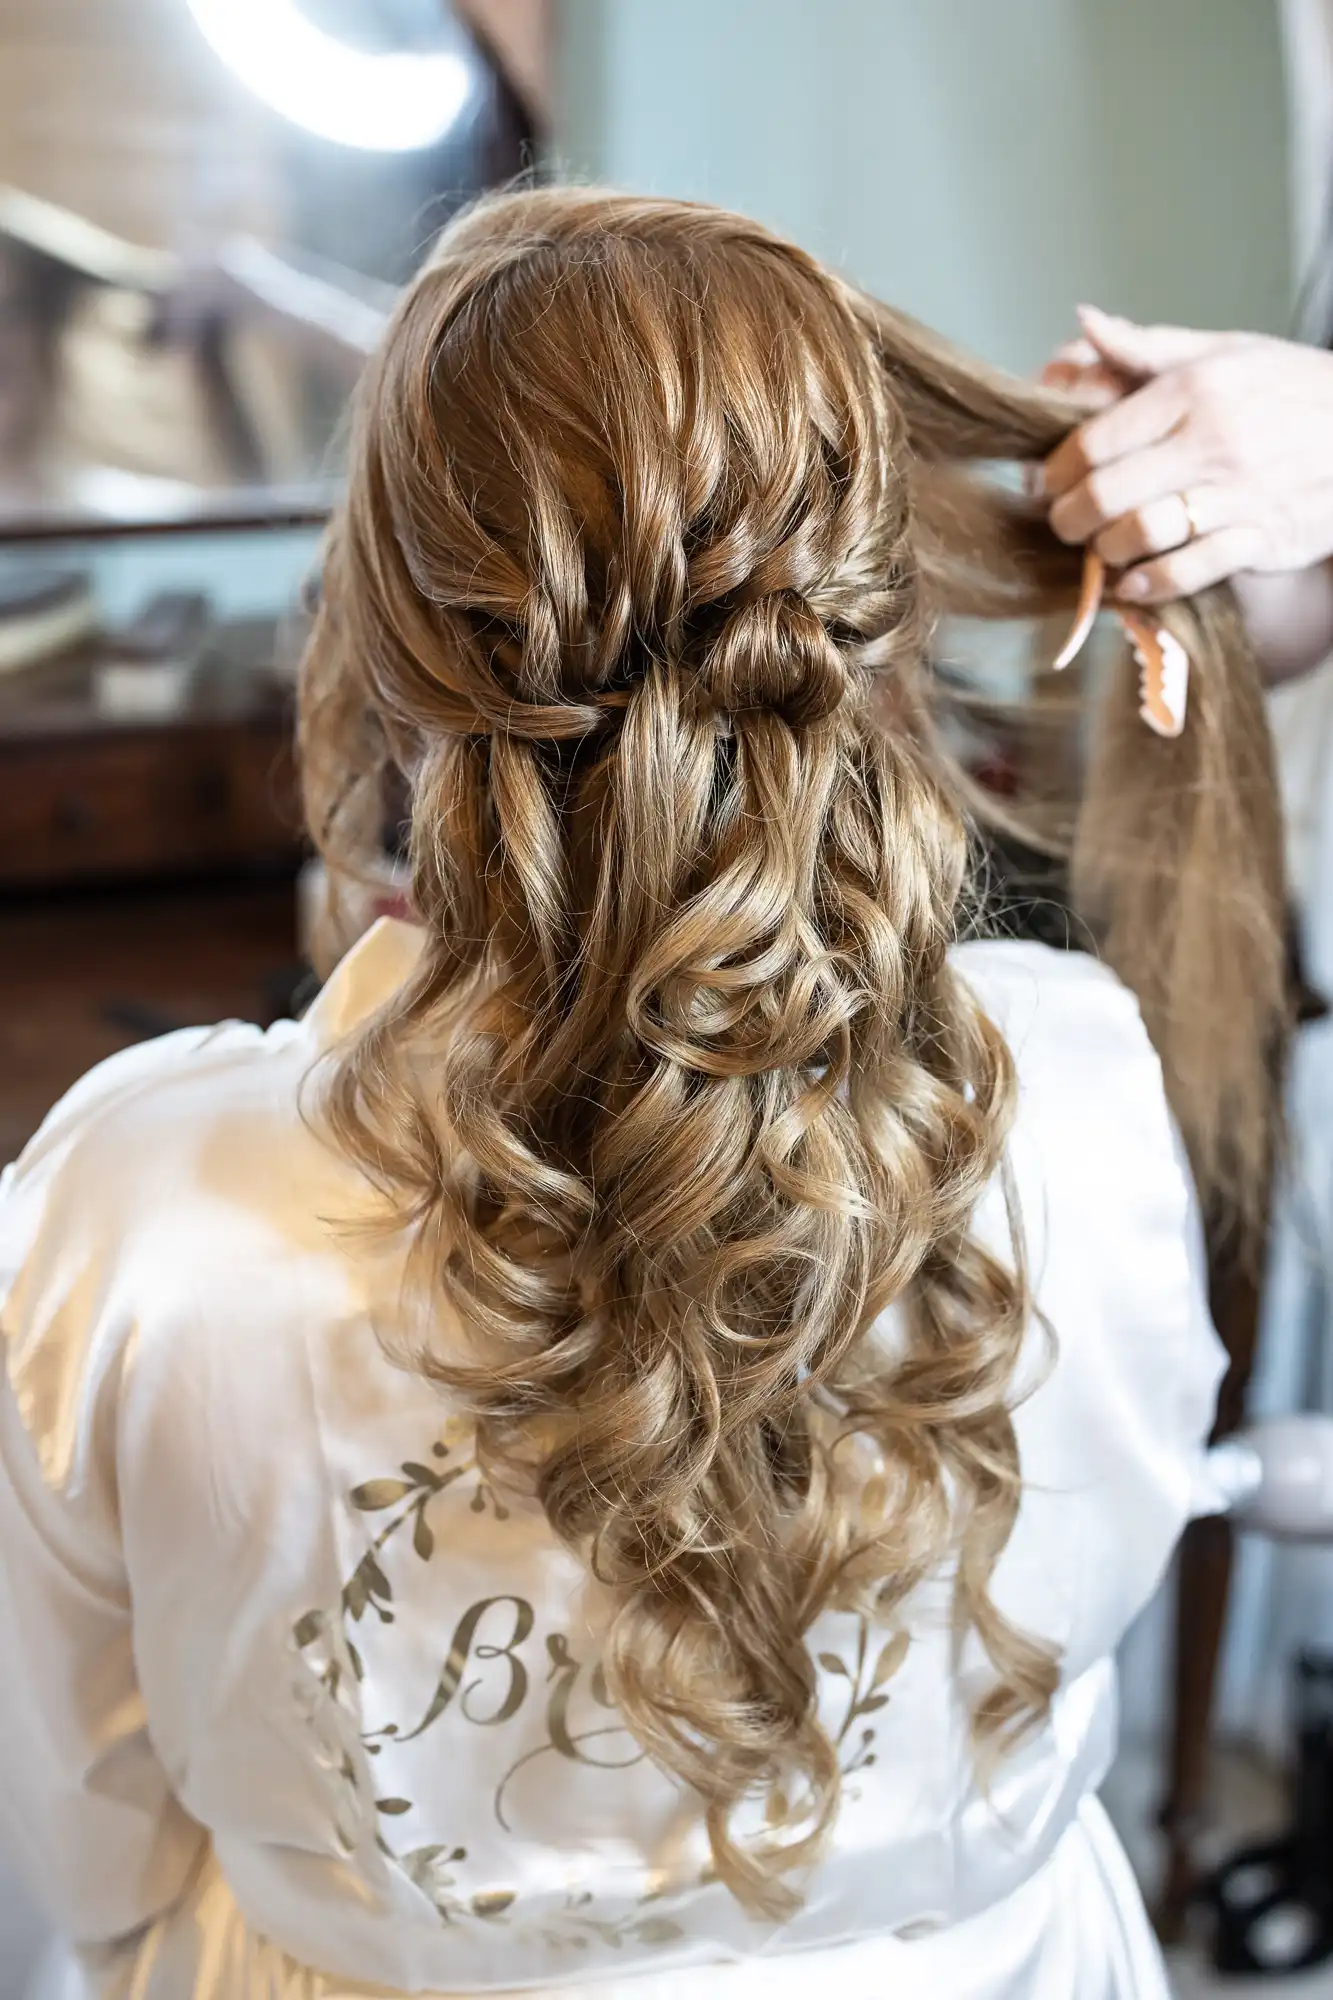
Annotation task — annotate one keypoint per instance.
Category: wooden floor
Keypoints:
(83, 976)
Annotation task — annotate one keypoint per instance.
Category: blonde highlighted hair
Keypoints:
(649, 524)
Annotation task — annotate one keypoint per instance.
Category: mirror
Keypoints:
(205, 207)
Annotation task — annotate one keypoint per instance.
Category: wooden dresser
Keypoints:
(147, 872)
(87, 796)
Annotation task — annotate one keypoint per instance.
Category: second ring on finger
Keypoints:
(1156, 527)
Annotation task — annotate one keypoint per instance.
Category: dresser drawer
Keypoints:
(157, 801)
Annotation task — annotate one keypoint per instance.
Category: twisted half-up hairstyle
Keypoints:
(649, 518)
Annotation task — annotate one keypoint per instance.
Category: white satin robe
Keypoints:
(295, 1705)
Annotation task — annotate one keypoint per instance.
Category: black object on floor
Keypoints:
(1272, 1904)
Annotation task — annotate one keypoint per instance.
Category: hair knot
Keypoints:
(774, 652)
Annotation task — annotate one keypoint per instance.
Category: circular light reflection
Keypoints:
(382, 103)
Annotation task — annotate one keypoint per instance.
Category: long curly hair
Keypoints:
(649, 523)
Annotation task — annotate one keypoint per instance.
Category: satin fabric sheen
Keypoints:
(296, 1705)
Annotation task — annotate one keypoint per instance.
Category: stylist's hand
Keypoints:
(1212, 455)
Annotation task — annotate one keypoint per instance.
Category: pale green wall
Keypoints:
(984, 163)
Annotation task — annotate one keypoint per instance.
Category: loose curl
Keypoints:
(648, 523)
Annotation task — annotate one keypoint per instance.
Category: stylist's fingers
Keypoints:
(1169, 521)
(1142, 351)
(1110, 491)
(1074, 354)
(1195, 566)
(1149, 530)
(1072, 363)
(1090, 382)
(1144, 418)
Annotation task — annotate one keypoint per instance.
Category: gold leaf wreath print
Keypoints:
(334, 1668)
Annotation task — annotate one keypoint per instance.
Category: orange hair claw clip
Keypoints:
(1164, 667)
(1085, 616)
